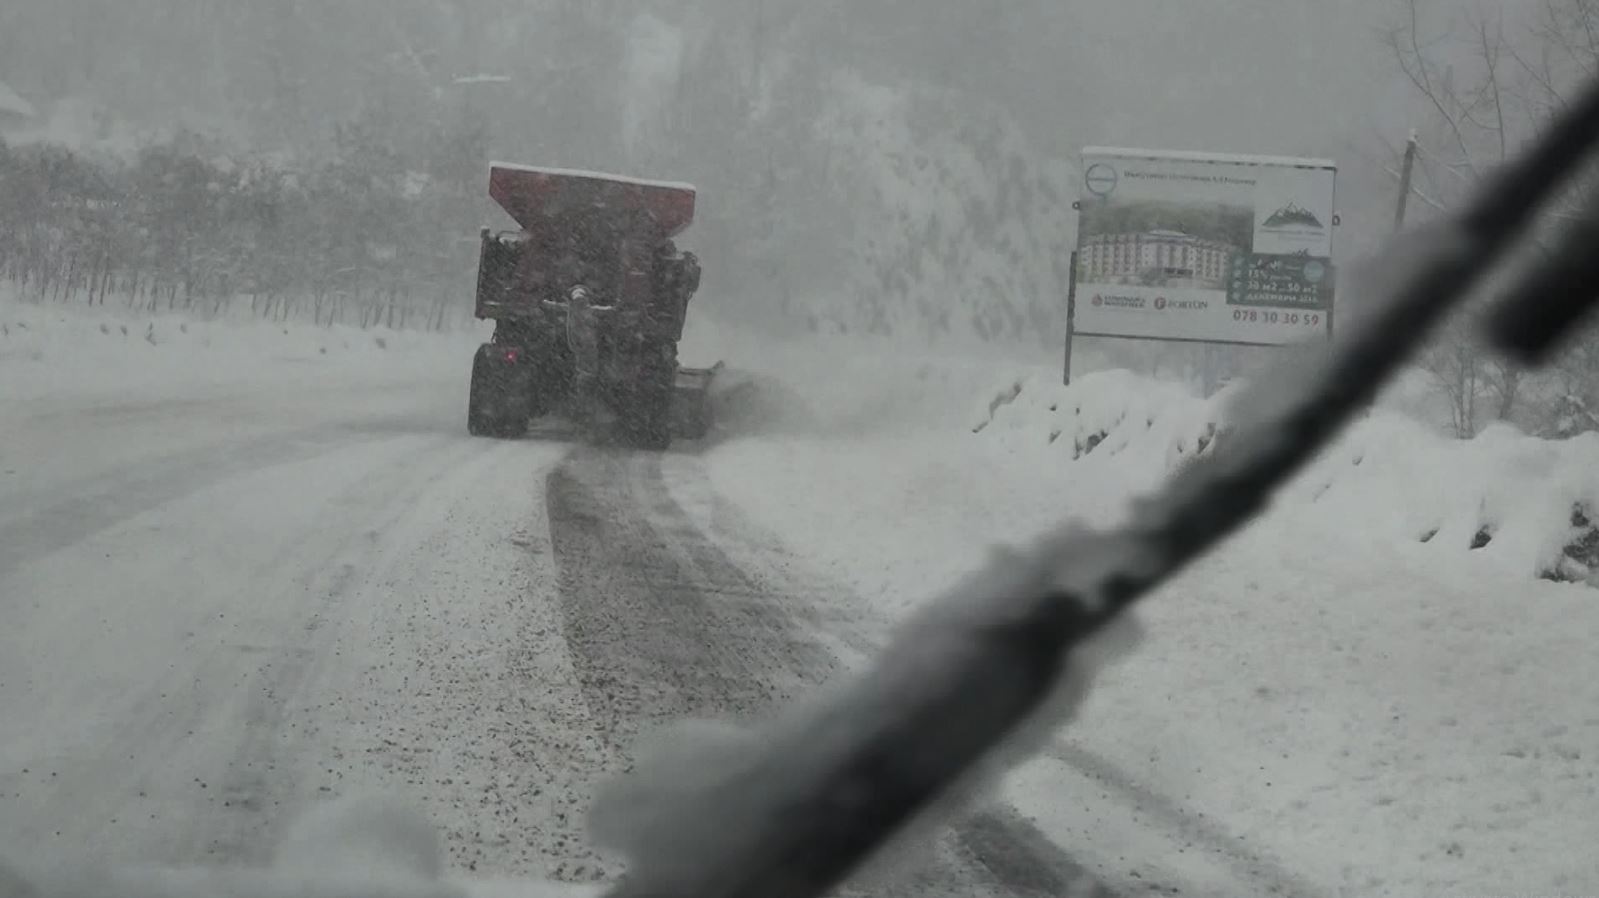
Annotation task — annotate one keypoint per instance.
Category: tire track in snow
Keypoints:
(990, 834)
(1010, 849)
(661, 629)
(664, 625)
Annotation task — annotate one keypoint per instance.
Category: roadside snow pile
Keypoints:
(1146, 425)
(1516, 502)
(51, 349)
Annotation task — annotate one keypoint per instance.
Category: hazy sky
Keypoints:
(1271, 75)
(1304, 77)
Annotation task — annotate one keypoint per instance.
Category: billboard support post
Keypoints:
(1071, 317)
(1404, 182)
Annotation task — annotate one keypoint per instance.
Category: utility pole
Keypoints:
(1404, 181)
(1071, 321)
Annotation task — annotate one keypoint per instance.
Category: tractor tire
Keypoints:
(647, 422)
(493, 408)
(515, 424)
(480, 420)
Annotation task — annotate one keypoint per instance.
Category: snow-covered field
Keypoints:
(247, 567)
(57, 353)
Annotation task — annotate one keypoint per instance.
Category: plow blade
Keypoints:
(691, 406)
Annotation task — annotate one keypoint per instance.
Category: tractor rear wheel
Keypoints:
(480, 420)
(647, 422)
(496, 407)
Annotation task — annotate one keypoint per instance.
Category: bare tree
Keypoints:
(1488, 87)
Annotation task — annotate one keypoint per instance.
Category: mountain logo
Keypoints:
(1293, 215)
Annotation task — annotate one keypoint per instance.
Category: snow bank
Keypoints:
(1503, 499)
(997, 450)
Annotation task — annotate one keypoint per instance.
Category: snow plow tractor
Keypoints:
(588, 301)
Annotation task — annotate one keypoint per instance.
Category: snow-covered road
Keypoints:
(221, 609)
(245, 569)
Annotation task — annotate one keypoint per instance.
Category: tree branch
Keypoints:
(1490, 55)
(1413, 63)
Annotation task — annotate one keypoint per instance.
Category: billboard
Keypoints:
(1204, 247)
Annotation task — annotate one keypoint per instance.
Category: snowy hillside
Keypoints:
(854, 200)
(962, 230)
